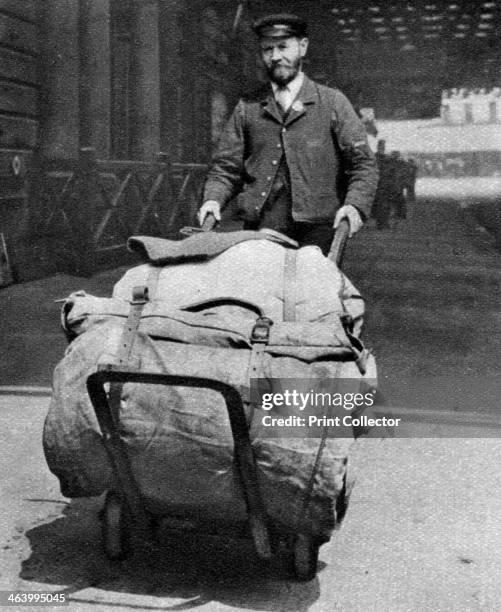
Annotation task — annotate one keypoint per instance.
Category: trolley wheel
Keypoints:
(115, 526)
(304, 557)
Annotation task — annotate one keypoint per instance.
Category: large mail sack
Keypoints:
(252, 270)
(179, 439)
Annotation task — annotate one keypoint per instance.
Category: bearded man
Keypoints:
(296, 152)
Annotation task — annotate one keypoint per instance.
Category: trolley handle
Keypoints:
(209, 223)
(339, 241)
(338, 245)
(244, 454)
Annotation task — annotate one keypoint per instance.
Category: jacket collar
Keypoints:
(307, 95)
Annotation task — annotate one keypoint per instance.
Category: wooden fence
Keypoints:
(90, 207)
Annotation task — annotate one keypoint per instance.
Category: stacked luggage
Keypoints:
(151, 401)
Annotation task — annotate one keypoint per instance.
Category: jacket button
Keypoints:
(284, 130)
(263, 193)
(274, 162)
(268, 178)
(279, 146)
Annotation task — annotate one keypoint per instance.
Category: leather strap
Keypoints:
(308, 492)
(360, 352)
(139, 299)
(290, 285)
(259, 340)
(153, 278)
(223, 301)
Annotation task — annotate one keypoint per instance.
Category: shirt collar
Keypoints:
(293, 86)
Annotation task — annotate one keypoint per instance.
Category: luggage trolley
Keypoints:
(124, 514)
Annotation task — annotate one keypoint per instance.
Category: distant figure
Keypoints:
(381, 206)
(410, 177)
(390, 190)
(397, 198)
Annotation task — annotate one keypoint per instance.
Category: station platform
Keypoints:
(432, 289)
(422, 530)
(32, 339)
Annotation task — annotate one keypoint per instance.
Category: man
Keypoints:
(410, 180)
(399, 169)
(381, 207)
(389, 194)
(296, 153)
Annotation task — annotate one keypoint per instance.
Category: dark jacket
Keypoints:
(325, 145)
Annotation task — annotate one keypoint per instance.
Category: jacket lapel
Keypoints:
(307, 95)
(270, 107)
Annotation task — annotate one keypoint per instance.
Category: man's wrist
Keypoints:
(216, 191)
(360, 211)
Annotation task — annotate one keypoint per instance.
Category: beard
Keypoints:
(281, 74)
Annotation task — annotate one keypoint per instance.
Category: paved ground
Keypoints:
(32, 340)
(432, 286)
(422, 532)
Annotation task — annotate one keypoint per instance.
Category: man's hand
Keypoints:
(207, 208)
(354, 219)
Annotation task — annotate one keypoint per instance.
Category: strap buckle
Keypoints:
(139, 295)
(347, 322)
(261, 331)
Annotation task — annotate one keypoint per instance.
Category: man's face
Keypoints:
(282, 57)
